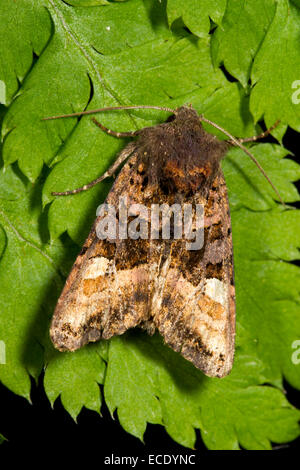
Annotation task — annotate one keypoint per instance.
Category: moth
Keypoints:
(159, 284)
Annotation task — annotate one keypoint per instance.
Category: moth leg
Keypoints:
(121, 158)
(120, 135)
(256, 137)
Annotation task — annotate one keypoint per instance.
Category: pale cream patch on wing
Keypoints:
(104, 292)
(217, 291)
(97, 292)
(96, 267)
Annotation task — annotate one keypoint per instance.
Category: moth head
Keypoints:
(186, 115)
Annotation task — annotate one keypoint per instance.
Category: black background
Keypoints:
(37, 427)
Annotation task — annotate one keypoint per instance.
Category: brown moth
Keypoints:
(159, 284)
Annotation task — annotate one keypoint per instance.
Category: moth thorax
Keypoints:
(189, 177)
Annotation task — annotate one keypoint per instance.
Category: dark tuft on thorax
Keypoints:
(180, 154)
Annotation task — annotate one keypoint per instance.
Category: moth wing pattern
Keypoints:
(107, 290)
(196, 310)
(159, 283)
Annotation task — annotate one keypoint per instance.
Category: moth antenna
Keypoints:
(120, 135)
(109, 108)
(239, 144)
